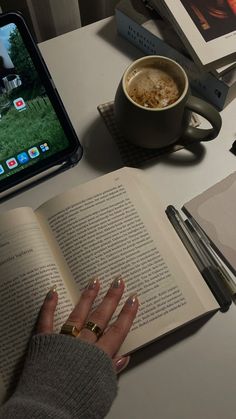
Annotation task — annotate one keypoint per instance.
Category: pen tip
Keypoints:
(170, 209)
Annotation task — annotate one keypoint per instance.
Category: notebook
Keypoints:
(215, 210)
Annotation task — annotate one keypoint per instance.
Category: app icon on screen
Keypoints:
(1, 170)
(44, 147)
(11, 163)
(19, 104)
(33, 152)
(22, 157)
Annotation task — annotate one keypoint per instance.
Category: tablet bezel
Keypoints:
(74, 146)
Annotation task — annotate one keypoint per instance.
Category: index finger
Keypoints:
(112, 340)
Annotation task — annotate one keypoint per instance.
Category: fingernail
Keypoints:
(117, 282)
(122, 363)
(92, 284)
(51, 292)
(131, 300)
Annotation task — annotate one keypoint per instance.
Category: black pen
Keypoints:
(204, 243)
(209, 272)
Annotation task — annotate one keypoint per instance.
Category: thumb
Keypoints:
(120, 363)
(46, 314)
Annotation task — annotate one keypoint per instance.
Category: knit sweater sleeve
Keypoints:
(63, 377)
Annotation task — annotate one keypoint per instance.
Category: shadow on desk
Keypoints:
(110, 35)
(188, 156)
(109, 152)
(164, 343)
(100, 150)
(180, 154)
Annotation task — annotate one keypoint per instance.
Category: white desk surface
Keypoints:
(186, 375)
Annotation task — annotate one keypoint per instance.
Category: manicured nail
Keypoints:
(122, 363)
(51, 292)
(131, 300)
(92, 284)
(117, 282)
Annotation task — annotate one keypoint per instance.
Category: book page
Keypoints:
(109, 226)
(27, 272)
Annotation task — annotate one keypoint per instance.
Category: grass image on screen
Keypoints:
(27, 117)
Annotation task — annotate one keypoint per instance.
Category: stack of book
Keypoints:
(177, 31)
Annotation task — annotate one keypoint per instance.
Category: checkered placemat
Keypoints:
(132, 155)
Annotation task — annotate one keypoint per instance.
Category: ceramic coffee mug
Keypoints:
(153, 105)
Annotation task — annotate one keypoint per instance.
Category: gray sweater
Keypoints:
(63, 378)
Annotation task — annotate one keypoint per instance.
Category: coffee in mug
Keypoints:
(153, 105)
(151, 87)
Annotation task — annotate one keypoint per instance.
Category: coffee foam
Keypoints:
(152, 87)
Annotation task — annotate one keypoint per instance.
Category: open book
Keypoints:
(109, 226)
(207, 29)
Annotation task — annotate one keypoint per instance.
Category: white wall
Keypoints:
(48, 18)
(52, 17)
(93, 10)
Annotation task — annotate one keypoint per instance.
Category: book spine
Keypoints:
(208, 86)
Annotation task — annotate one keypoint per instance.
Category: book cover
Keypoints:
(207, 28)
(221, 71)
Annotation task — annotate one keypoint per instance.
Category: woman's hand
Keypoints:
(113, 335)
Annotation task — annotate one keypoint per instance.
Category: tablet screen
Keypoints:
(30, 130)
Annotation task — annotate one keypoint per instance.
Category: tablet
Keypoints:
(36, 134)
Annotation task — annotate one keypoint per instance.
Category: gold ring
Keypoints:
(93, 327)
(69, 329)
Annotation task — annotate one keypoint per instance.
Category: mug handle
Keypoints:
(208, 111)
